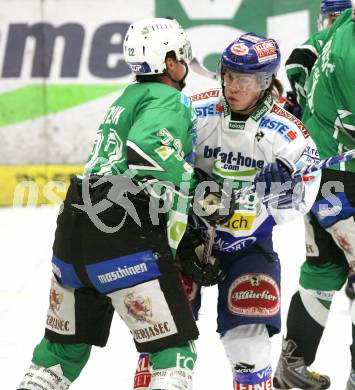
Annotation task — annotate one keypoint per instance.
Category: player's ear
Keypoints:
(170, 64)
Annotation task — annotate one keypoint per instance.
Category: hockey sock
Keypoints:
(172, 368)
(248, 349)
(309, 309)
(71, 357)
(142, 375)
(306, 321)
(250, 379)
(38, 377)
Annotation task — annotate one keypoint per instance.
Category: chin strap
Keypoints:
(181, 82)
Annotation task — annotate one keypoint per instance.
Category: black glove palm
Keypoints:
(213, 201)
(203, 274)
(191, 262)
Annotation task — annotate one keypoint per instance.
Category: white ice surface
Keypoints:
(26, 236)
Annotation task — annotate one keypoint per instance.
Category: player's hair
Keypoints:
(154, 78)
(275, 89)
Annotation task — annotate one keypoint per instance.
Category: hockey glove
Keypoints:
(292, 106)
(213, 201)
(277, 187)
(192, 265)
(190, 261)
(349, 288)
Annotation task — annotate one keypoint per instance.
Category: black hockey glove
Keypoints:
(213, 201)
(203, 274)
(349, 288)
(292, 106)
(277, 187)
(190, 261)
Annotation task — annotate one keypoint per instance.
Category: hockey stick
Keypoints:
(198, 68)
(304, 171)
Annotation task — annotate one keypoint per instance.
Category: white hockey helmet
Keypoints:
(149, 40)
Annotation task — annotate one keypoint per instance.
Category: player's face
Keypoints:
(177, 70)
(326, 21)
(242, 91)
(180, 71)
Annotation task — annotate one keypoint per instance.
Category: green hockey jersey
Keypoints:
(300, 63)
(330, 100)
(148, 134)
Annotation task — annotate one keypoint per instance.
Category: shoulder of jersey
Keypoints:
(207, 103)
(204, 96)
(279, 114)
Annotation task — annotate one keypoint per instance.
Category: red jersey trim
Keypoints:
(205, 95)
(281, 112)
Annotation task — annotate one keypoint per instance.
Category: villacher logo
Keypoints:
(255, 295)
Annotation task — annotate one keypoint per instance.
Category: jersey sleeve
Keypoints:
(301, 151)
(158, 146)
(341, 84)
(300, 63)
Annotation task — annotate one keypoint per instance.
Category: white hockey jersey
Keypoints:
(237, 150)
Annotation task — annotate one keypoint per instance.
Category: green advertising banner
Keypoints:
(284, 20)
